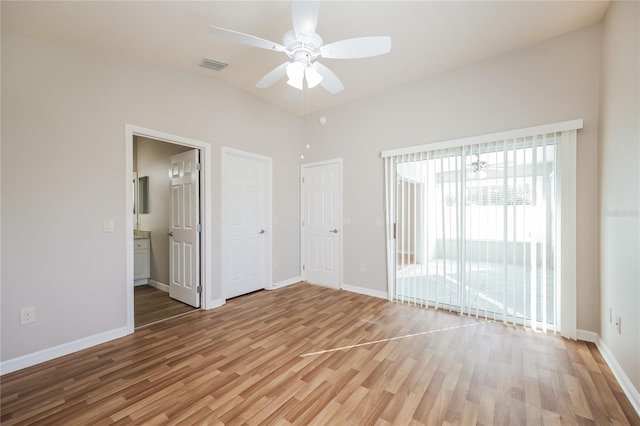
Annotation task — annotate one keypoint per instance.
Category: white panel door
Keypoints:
(244, 224)
(321, 224)
(184, 250)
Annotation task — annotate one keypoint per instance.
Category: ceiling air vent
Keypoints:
(212, 64)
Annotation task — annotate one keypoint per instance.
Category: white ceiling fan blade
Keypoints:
(246, 39)
(272, 76)
(362, 47)
(304, 14)
(330, 81)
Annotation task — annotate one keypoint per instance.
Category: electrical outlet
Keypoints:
(27, 315)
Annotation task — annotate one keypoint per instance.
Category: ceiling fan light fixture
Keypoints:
(295, 72)
(295, 83)
(313, 77)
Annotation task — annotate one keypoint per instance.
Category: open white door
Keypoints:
(184, 250)
(321, 223)
(246, 265)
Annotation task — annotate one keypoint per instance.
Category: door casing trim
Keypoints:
(206, 210)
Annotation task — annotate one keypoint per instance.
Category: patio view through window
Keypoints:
(475, 230)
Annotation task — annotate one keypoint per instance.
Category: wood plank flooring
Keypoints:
(306, 354)
(151, 305)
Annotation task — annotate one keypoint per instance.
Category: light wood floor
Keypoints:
(151, 305)
(311, 355)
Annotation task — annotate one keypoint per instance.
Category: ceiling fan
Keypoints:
(303, 46)
(477, 169)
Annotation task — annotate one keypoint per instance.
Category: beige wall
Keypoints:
(64, 122)
(619, 185)
(154, 161)
(545, 83)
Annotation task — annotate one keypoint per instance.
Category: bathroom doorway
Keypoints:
(152, 164)
(149, 155)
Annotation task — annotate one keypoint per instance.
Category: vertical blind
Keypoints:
(474, 226)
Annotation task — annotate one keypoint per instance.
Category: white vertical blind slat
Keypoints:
(413, 247)
(533, 288)
(526, 240)
(428, 223)
(389, 209)
(505, 230)
(514, 246)
(463, 269)
(544, 233)
(421, 252)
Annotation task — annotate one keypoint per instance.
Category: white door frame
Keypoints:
(268, 206)
(303, 254)
(206, 217)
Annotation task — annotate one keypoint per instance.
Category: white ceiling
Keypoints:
(428, 37)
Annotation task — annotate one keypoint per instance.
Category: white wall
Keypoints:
(154, 161)
(619, 159)
(63, 172)
(545, 83)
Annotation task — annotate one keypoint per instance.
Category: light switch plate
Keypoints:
(108, 225)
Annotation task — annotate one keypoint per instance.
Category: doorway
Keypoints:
(171, 144)
(322, 223)
(166, 211)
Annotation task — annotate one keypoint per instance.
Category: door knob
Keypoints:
(262, 231)
(335, 231)
(170, 234)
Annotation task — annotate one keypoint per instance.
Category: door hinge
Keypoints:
(394, 231)
(303, 267)
(199, 289)
(302, 180)
(198, 228)
(198, 166)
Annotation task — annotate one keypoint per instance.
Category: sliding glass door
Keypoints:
(475, 229)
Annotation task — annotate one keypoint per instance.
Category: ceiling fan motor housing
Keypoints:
(303, 48)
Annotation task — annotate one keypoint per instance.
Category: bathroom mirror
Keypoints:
(135, 194)
(143, 195)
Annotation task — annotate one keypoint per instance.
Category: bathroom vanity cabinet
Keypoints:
(141, 261)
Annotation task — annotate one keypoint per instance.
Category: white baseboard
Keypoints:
(629, 390)
(627, 387)
(285, 283)
(159, 285)
(141, 281)
(60, 350)
(587, 336)
(366, 291)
